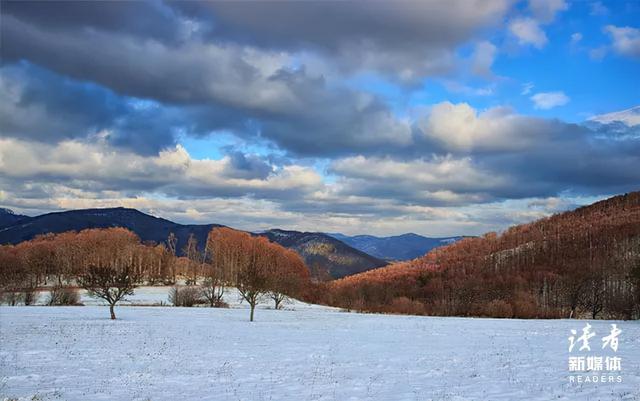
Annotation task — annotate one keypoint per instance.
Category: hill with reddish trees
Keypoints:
(325, 255)
(584, 262)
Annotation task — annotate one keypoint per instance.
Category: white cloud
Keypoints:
(545, 10)
(576, 38)
(526, 88)
(439, 180)
(598, 9)
(482, 58)
(528, 32)
(598, 53)
(172, 172)
(625, 40)
(437, 174)
(459, 127)
(457, 87)
(629, 117)
(549, 100)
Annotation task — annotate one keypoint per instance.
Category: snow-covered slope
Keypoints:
(165, 353)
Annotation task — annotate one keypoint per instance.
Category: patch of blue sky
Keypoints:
(322, 167)
(217, 144)
(594, 85)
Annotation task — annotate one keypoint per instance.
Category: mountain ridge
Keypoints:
(397, 247)
(9, 218)
(318, 249)
(321, 248)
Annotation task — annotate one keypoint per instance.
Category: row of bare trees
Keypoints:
(256, 266)
(110, 263)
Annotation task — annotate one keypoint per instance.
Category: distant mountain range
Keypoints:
(8, 218)
(148, 228)
(399, 247)
(318, 249)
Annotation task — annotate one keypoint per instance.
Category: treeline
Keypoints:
(584, 263)
(110, 263)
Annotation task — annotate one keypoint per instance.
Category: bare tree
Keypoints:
(172, 243)
(190, 250)
(573, 289)
(244, 259)
(110, 283)
(255, 266)
(252, 278)
(288, 276)
(634, 279)
(594, 296)
(213, 289)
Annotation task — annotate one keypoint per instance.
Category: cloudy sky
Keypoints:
(439, 118)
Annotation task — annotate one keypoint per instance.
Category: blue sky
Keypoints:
(440, 118)
(594, 85)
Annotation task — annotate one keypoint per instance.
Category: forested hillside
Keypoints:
(585, 262)
(326, 256)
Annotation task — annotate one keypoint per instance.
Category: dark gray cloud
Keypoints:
(40, 105)
(301, 113)
(150, 19)
(546, 159)
(241, 78)
(44, 106)
(411, 23)
(405, 40)
(247, 166)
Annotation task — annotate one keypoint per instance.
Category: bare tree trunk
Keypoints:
(253, 307)
(113, 315)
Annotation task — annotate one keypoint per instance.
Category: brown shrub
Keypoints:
(525, 306)
(11, 298)
(63, 296)
(186, 296)
(406, 306)
(498, 308)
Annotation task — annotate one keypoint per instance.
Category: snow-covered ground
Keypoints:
(159, 296)
(305, 353)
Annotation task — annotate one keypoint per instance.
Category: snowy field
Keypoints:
(159, 296)
(304, 353)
